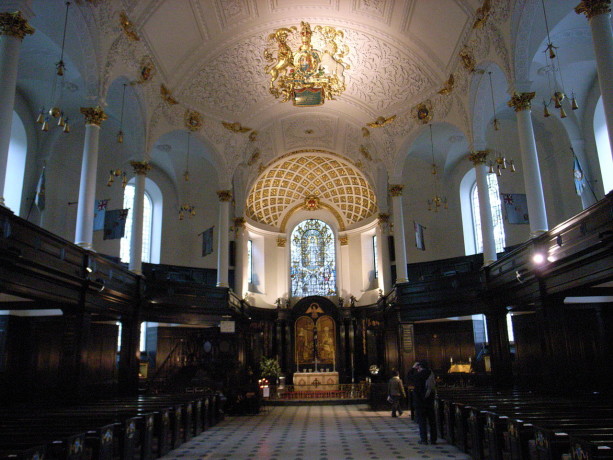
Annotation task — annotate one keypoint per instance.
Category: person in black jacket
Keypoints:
(423, 401)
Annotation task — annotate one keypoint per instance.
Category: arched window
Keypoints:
(128, 203)
(492, 186)
(313, 260)
(16, 164)
(603, 147)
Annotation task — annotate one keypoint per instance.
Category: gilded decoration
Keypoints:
(343, 240)
(192, 120)
(281, 242)
(282, 187)
(253, 136)
(311, 203)
(479, 157)
(311, 72)
(365, 132)
(381, 121)
(384, 219)
(235, 127)
(468, 59)
(521, 101)
(396, 190)
(447, 86)
(141, 168)
(93, 115)
(423, 112)
(593, 8)
(482, 14)
(239, 222)
(128, 27)
(167, 95)
(15, 25)
(224, 195)
(147, 70)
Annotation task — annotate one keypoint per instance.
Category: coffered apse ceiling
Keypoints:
(205, 60)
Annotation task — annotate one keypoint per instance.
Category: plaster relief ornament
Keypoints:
(311, 203)
(423, 112)
(313, 72)
(468, 59)
(253, 136)
(128, 26)
(147, 70)
(167, 95)
(235, 127)
(447, 86)
(482, 14)
(365, 153)
(381, 121)
(193, 120)
(365, 132)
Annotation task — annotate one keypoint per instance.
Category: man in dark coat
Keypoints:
(423, 401)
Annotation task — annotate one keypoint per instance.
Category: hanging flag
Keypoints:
(419, 236)
(99, 213)
(115, 223)
(580, 182)
(40, 191)
(207, 242)
(516, 207)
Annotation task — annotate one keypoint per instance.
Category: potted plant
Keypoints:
(270, 370)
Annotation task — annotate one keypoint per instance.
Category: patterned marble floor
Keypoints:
(350, 432)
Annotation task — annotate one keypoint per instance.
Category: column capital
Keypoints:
(15, 25)
(521, 101)
(344, 240)
(593, 8)
(239, 222)
(93, 115)
(141, 168)
(384, 219)
(281, 242)
(224, 195)
(396, 189)
(479, 157)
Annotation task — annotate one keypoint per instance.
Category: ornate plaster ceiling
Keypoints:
(284, 186)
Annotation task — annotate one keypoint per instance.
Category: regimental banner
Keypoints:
(516, 207)
(308, 97)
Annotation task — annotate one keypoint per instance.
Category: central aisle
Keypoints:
(314, 432)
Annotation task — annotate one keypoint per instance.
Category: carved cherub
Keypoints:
(447, 86)
(381, 121)
(482, 14)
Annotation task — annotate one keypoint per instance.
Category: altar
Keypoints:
(309, 381)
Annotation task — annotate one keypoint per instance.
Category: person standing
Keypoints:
(423, 401)
(395, 391)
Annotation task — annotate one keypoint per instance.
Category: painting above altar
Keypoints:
(315, 339)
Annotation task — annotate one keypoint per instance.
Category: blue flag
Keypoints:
(99, 214)
(580, 182)
(41, 191)
(115, 223)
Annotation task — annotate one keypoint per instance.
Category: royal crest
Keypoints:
(314, 71)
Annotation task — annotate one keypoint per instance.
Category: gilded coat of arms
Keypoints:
(309, 75)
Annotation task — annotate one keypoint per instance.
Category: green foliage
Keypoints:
(270, 369)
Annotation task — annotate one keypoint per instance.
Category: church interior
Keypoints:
(200, 195)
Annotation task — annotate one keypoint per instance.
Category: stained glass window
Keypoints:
(499, 237)
(313, 266)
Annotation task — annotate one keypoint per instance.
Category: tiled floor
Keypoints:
(314, 432)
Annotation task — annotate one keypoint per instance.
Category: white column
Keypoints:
(136, 242)
(240, 264)
(283, 267)
(384, 267)
(479, 160)
(400, 246)
(344, 273)
(13, 28)
(223, 240)
(84, 233)
(530, 164)
(598, 13)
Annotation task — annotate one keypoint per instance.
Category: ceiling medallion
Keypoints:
(423, 112)
(193, 120)
(311, 203)
(309, 75)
